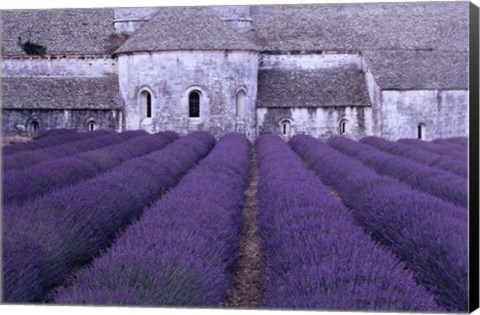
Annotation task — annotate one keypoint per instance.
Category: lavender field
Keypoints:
(104, 218)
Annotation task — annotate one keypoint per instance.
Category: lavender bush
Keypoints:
(435, 148)
(44, 240)
(429, 235)
(316, 257)
(20, 185)
(458, 167)
(51, 141)
(433, 181)
(24, 160)
(463, 141)
(183, 249)
(446, 143)
(54, 132)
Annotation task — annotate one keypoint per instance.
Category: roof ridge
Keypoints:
(133, 33)
(187, 28)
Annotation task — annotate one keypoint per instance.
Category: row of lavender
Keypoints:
(95, 140)
(182, 251)
(460, 141)
(434, 181)
(53, 132)
(46, 142)
(428, 234)
(315, 256)
(454, 151)
(22, 185)
(46, 238)
(214, 229)
(445, 162)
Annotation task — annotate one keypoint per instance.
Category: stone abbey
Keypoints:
(391, 70)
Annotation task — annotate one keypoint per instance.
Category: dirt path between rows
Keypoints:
(247, 280)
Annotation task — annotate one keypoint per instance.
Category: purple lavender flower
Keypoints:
(315, 255)
(69, 226)
(183, 249)
(26, 159)
(20, 185)
(436, 182)
(426, 233)
(51, 141)
(458, 167)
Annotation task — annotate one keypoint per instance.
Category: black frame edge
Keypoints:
(473, 159)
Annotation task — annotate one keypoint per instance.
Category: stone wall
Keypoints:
(219, 75)
(374, 94)
(453, 114)
(16, 121)
(170, 77)
(320, 122)
(128, 20)
(444, 113)
(311, 61)
(77, 66)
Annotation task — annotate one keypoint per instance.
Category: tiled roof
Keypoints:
(60, 93)
(307, 88)
(69, 31)
(188, 28)
(408, 70)
(404, 26)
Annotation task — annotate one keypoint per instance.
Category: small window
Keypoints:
(421, 131)
(285, 125)
(194, 105)
(149, 105)
(146, 104)
(343, 127)
(34, 126)
(92, 125)
(240, 112)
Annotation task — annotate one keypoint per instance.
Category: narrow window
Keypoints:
(241, 104)
(343, 127)
(285, 125)
(194, 105)
(149, 105)
(34, 126)
(92, 125)
(146, 104)
(421, 131)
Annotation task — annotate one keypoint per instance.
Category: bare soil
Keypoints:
(247, 281)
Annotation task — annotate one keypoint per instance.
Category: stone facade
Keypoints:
(58, 110)
(322, 122)
(74, 66)
(442, 113)
(21, 121)
(169, 77)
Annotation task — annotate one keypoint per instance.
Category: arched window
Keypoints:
(194, 104)
(343, 126)
(240, 112)
(149, 105)
(92, 125)
(421, 131)
(285, 127)
(34, 126)
(145, 104)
